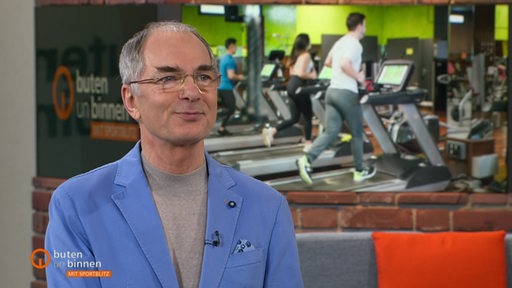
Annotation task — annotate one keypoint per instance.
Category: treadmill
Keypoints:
(395, 172)
(246, 133)
(281, 158)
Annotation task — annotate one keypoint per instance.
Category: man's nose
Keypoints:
(189, 89)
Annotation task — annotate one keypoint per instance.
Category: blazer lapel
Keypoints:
(138, 208)
(222, 217)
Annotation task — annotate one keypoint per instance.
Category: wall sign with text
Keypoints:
(81, 120)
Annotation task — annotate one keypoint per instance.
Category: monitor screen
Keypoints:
(393, 75)
(325, 74)
(268, 70)
(211, 9)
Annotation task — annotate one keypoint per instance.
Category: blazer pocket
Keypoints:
(245, 258)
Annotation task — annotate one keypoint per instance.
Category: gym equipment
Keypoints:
(279, 159)
(395, 171)
(247, 130)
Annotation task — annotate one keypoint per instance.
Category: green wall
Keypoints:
(283, 22)
(382, 21)
(213, 28)
(280, 23)
(501, 22)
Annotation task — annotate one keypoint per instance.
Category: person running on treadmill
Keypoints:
(302, 70)
(228, 71)
(342, 100)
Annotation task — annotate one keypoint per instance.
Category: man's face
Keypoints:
(362, 29)
(186, 115)
(232, 48)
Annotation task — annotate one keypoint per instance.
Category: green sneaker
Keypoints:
(364, 174)
(345, 137)
(305, 169)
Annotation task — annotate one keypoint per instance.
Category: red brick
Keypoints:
(364, 2)
(295, 216)
(46, 182)
(37, 242)
(321, 1)
(489, 199)
(60, 2)
(432, 220)
(372, 198)
(183, 1)
(377, 2)
(97, 2)
(319, 217)
(480, 1)
(209, 1)
(451, 198)
(482, 220)
(266, 1)
(41, 200)
(116, 2)
(445, 2)
(38, 284)
(322, 197)
(39, 222)
(376, 218)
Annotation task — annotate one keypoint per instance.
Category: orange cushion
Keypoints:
(446, 259)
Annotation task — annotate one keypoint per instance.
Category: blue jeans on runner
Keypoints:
(341, 105)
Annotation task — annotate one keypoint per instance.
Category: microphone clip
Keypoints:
(216, 239)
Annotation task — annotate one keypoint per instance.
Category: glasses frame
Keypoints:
(202, 89)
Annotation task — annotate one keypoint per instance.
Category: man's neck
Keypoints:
(173, 159)
(354, 34)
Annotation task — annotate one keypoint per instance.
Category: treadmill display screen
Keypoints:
(267, 70)
(325, 74)
(393, 75)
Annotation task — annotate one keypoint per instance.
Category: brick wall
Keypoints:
(349, 211)
(43, 188)
(426, 211)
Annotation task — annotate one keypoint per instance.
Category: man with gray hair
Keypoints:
(167, 214)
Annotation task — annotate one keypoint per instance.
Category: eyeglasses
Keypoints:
(204, 80)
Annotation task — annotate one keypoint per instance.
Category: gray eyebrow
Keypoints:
(173, 69)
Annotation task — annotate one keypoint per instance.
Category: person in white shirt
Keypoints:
(342, 100)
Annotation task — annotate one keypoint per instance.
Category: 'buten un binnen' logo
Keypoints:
(72, 263)
(38, 262)
(62, 103)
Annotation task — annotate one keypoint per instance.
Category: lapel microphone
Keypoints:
(216, 239)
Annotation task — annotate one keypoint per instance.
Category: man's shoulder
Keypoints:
(94, 180)
(226, 58)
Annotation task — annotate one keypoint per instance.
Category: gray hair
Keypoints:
(131, 60)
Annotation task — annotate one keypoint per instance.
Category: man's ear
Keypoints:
(130, 103)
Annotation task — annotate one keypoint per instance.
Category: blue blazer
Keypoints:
(106, 219)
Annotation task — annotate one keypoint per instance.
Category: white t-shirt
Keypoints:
(309, 65)
(346, 47)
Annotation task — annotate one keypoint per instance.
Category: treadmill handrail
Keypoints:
(312, 89)
(393, 98)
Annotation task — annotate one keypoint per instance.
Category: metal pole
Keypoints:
(254, 62)
(509, 79)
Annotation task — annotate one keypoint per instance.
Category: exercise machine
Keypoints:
(247, 130)
(281, 158)
(395, 171)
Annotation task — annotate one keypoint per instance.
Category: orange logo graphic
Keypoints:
(40, 264)
(63, 105)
